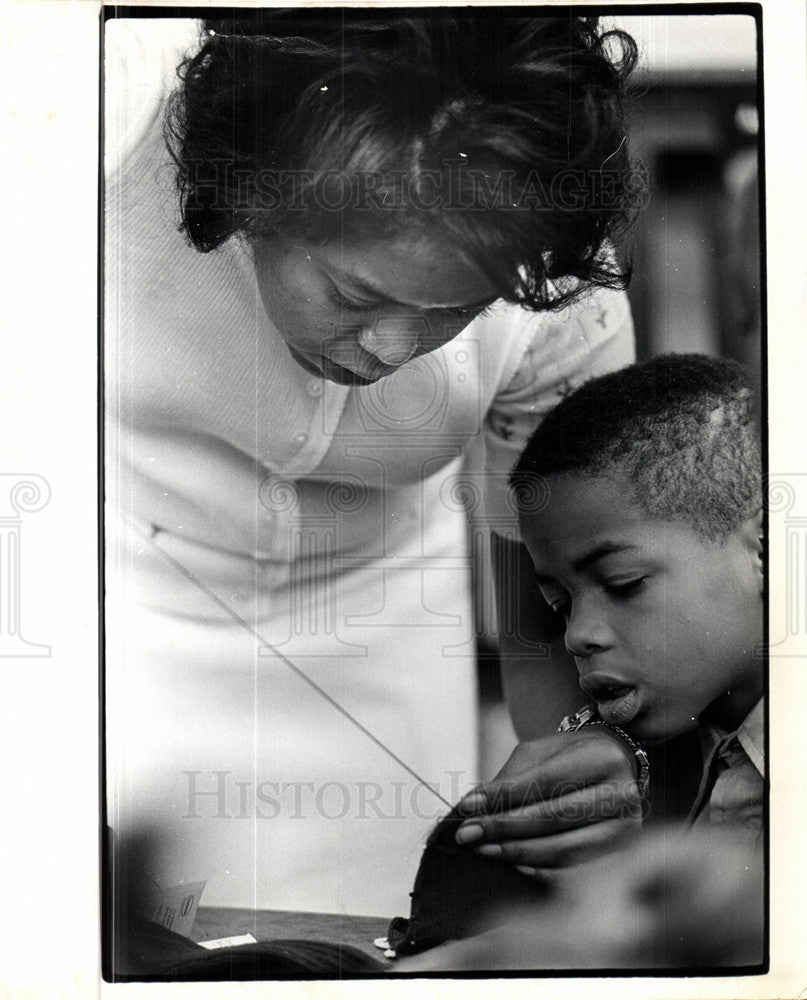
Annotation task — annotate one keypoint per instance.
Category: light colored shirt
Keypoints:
(733, 783)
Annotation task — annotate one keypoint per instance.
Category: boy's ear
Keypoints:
(754, 542)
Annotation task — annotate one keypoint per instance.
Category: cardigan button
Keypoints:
(314, 388)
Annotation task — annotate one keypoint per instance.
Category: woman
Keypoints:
(391, 253)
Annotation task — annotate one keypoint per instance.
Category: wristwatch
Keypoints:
(588, 716)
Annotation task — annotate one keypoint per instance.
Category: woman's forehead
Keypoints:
(416, 269)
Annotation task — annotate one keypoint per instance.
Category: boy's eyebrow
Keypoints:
(604, 549)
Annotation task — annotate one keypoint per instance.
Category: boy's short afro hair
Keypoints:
(679, 427)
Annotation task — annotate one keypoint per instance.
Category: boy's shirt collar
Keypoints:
(732, 785)
(750, 734)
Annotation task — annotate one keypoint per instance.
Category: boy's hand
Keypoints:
(558, 800)
(687, 900)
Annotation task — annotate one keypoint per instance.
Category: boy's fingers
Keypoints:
(549, 780)
(562, 850)
(577, 808)
(474, 802)
(566, 812)
(552, 767)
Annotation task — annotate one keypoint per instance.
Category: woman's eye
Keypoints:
(354, 305)
(468, 312)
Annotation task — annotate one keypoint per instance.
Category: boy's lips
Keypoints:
(619, 708)
(617, 702)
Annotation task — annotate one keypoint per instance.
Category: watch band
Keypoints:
(571, 723)
(587, 716)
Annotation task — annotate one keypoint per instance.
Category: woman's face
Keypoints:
(353, 314)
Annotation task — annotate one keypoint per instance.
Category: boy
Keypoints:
(649, 546)
(639, 501)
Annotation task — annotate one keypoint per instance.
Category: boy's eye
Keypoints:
(626, 588)
(559, 602)
(562, 607)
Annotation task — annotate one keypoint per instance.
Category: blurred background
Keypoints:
(693, 122)
(694, 125)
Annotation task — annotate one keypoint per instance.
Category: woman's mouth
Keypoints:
(345, 376)
(326, 368)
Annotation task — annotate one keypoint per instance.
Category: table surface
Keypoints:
(214, 922)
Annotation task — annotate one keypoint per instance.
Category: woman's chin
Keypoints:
(330, 371)
(344, 376)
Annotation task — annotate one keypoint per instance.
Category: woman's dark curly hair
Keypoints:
(504, 132)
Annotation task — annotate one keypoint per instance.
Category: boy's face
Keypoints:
(662, 624)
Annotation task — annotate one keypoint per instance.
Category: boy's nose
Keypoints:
(392, 341)
(586, 634)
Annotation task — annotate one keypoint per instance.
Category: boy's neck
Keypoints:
(730, 709)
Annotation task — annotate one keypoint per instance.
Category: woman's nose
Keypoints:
(390, 340)
(587, 632)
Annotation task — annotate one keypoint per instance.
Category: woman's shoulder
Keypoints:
(520, 346)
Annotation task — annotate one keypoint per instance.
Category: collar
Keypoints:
(750, 734)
